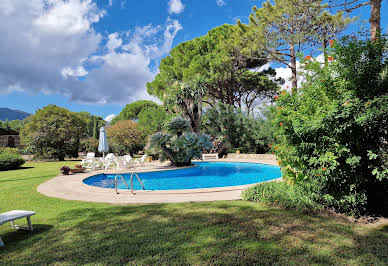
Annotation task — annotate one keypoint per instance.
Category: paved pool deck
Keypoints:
(71, 187)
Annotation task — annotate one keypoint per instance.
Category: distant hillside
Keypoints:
(6, 113)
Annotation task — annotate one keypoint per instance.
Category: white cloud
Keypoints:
(221, 2)
(110, 2)
(46, 48)
(285, 73)
(109, 118)
(175, 6)
(69, 17)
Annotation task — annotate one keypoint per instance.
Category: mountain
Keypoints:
(6, 113)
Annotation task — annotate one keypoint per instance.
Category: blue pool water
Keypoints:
(203, 175)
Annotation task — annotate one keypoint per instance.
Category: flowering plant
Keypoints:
(65, 170)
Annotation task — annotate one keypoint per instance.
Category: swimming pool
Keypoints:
(203, 175)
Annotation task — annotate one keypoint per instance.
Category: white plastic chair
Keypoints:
(89, 161)
(110, 161)
(140, 161)
(127, 160)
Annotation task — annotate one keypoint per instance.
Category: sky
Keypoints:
(97, 56)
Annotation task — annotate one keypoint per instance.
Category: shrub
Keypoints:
(124, 137)
(179, 145)
(290, 197)
(239, 130)
(10, 161)
(332, 135)
(65, 170)
(9, 150)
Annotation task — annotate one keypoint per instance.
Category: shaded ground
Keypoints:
(74, 233)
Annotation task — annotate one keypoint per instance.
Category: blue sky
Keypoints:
(97, 56)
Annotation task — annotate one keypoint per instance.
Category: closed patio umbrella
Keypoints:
(103, 142)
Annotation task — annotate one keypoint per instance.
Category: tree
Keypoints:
(53, 132)
(282, 30)
(152, 119)
(350, 5)
(93, 124)
(131, 111)
(125, 137)
(217, 67)
(178, 144)
(187, 100)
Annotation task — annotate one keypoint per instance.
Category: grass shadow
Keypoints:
(204, 233)
(20, 238)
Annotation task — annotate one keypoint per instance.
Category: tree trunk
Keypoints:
(293, 69)
(375, 18)
(325, 42)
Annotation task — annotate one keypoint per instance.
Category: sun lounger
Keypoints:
(11, 216)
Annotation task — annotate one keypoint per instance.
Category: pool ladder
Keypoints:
(131, 179)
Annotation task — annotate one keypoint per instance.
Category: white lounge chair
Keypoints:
(90, 162)
(11, 216)
(140, 161)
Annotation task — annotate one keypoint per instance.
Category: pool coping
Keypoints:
(71, 187)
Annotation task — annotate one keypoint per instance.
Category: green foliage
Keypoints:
(9, 150)
(10, 127)
(332, 135)
(238, 130)
(53, 132)
(289, 197)
(284, 28)
(178, 125)
(10, 161)
(152, 119)
(124, 137)
(179, 145)
(222, 61)
(131, 111)
(92, 124)
(89, 145)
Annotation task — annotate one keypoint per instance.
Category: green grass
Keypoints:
(235, 232)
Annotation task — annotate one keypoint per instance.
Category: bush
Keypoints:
(239, 130)
(124, 137)
(179, 145)
(289, 197)
(332, 135)
(10, 161)
(9, 150)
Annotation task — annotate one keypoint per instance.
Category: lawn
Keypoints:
(235, 232)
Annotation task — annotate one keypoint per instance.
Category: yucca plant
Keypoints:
(179, 144)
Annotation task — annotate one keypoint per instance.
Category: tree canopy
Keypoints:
(227, 67)
(131, 111)
(283, 29)
(53, 132)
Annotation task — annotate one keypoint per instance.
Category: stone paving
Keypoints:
(71, 187)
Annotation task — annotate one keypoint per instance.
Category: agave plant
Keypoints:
(179, 145)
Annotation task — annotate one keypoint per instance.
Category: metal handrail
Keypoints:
(131, 179)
